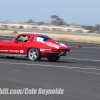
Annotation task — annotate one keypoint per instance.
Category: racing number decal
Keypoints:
(53, 45)
(13, 51)
(21, 51)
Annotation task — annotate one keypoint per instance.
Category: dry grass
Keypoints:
(76, 38)
(72, 38)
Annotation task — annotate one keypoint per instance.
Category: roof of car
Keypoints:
(30, 34)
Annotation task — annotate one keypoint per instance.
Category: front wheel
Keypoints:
(34, 54)
(53, 59)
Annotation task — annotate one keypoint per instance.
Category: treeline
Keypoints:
(93, 29)
(56, 20)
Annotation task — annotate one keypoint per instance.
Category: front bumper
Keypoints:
(55, 52)
(60, 53)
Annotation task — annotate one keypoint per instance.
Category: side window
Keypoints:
(40, 39)
(23, 38)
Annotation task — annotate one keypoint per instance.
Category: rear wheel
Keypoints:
(53, 59)
(34, 54)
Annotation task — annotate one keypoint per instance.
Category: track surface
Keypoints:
(78, 74)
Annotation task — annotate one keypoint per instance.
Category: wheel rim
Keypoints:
(33, 54)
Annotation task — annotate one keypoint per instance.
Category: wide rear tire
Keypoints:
(34, 54)
(9, 57)
(53, 59)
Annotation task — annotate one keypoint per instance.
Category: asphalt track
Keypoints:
(78, 74)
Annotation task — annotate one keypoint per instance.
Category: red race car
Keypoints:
(34, 46)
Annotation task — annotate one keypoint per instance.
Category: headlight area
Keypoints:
(54, 50)
(48, 50)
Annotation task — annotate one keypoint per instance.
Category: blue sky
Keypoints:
(83, 12)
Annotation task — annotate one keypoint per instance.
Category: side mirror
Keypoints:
(15, 41)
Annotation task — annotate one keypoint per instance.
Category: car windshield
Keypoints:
(43, 38)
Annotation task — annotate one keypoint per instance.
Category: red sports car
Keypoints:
(34, 46)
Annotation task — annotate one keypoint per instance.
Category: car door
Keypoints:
(19, 46)
(4, 45)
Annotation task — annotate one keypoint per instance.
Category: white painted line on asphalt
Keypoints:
(86, 47)
(88, 72)
(59, 66)
(82, 59)
(96, 69)
(24, 64)
(87, 68)
(48, 65)
(72, 67)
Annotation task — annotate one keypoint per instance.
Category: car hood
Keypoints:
(55, 44)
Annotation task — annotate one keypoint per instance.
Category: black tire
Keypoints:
(9, 57)
(34, 54)
(53, 59)
(39, 58)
